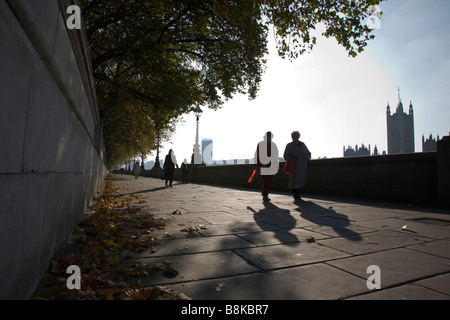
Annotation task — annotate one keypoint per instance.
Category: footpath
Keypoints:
(226, 244)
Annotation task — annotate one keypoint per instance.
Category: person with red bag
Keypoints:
(297, 158)
(266, 159)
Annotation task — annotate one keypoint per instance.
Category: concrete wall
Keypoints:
(443, 167)
(409, 178)
(50, 132)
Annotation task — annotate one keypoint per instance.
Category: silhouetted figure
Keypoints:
(136, 169)
(298, 154)
(185, 170)
(266, 158)
(169, 167)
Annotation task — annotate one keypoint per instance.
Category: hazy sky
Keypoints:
(336, 101)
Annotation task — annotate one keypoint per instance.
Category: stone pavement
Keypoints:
(245, 249)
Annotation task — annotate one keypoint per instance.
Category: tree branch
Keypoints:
(107, 56)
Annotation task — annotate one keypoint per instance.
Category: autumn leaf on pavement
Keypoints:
(113, 226)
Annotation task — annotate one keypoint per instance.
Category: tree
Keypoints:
(156, 60)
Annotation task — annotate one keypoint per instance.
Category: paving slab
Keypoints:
(236, 228)
(222, 217)
(440, 283)
(191, 245)
(407, 292)
(349, 213)
(397, 266)
(252, 250)
(313, 282)
(280, 236)
(384, 223)
(374, 241)
(289, 255)
(198, 266)
(428, 230)
(439, 248)
(435, 218)
(190, 219)
(352, 232)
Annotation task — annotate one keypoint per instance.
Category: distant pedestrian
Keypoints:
(297, 158)
(185, 170)
(266, 158)
(137, 169)
(169, 167)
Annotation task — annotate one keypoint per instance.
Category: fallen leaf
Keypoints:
(171, 271)
(160, 266)
(113, 223)
(191, 229)
(114, 261)
(167, 263)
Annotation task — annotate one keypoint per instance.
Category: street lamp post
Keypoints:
(197, 155)
(157, 165)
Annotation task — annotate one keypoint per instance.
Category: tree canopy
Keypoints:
(155, 60)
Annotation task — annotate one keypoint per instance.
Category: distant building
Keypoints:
(357, 151)
(375, 151)
(232, 162)
(360, 151)
(429, 145)
(400, 129)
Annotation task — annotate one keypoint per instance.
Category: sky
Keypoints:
(334, 100)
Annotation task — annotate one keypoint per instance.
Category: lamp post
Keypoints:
(157, 165)
(197, 155)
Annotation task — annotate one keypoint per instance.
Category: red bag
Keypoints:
(253, 175)
(289, 167)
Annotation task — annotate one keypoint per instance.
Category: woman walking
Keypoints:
(297, 154)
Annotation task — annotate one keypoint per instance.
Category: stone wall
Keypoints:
(408, 178)
(443, 163)
(51, 160)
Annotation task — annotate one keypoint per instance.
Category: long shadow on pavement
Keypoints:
(145, 191)
(270, 214)
(327, 217)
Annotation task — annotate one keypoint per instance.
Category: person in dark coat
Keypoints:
(169, 167)
(266, 158)
(185, 170)
(137, 169)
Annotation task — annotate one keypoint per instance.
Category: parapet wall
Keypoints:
(51, 161)
(409, 178)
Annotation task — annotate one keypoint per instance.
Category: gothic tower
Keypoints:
(400, 129)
